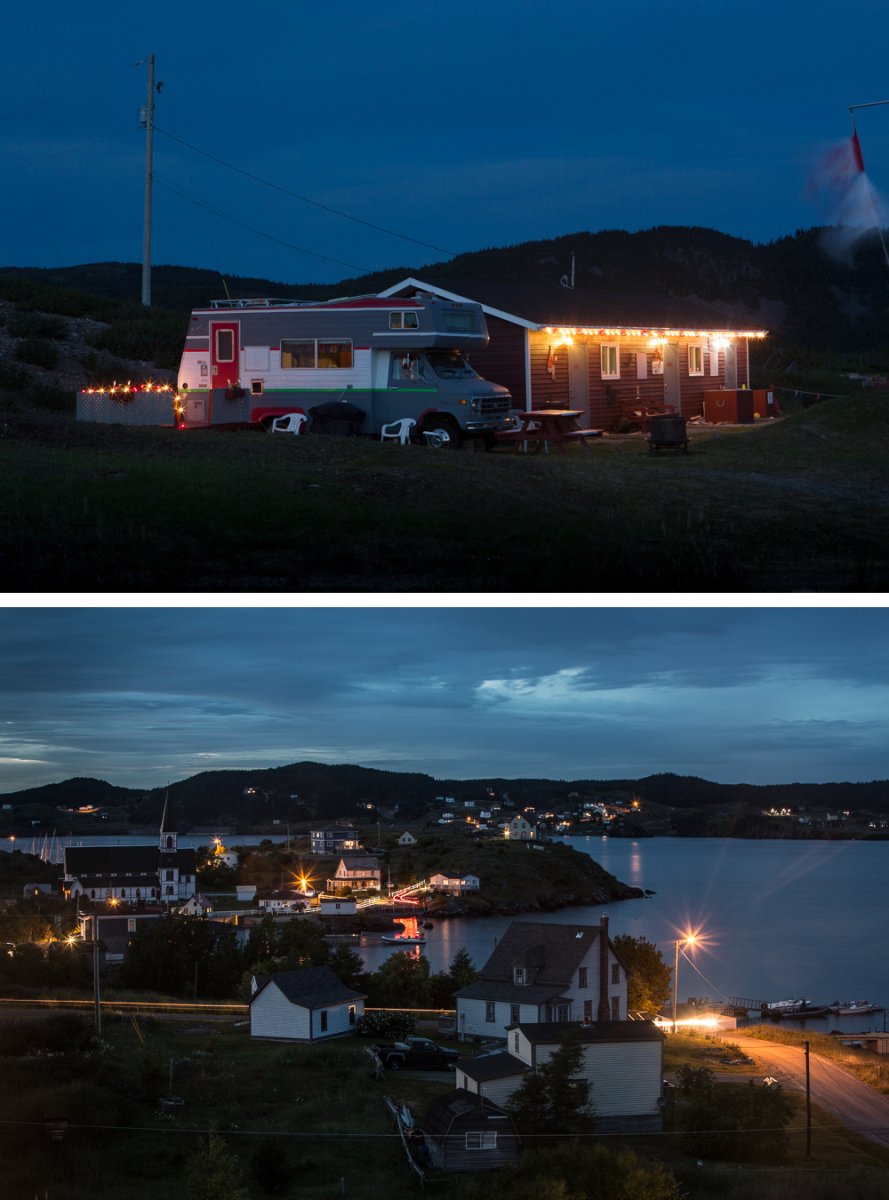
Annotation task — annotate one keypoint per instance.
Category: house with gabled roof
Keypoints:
(453, 882)
(466, 1132)
(356, 872)
(542, 972)
(307, 1005)
(602, 352)
(623, 1061)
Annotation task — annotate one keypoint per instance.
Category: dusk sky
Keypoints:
(456, 126)
(146, 696)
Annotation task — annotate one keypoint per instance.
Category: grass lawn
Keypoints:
(798, 504)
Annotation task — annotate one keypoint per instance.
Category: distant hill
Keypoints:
(811, 303)
(306, 792)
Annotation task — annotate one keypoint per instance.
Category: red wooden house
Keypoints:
(604, 353)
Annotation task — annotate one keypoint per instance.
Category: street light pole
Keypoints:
(689, 940)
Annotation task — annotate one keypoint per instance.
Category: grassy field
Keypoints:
(318, 1108)
(799, 504)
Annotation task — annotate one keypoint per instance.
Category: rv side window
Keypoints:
(461, 322)
(297, 354)
(404, 320)
(334, 354)
(256, 387)
(225, 345)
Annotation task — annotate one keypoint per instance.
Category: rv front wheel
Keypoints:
(445, 431)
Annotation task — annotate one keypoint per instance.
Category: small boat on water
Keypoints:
(410, 934)
(853, 1008)
(789, 1010)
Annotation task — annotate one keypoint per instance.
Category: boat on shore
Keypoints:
(400, 939)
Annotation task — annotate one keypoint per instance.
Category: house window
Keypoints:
(324, 1022)
(615, 1008)
(518, 975)
(351, 1014)
(131, 924)
(481, 1139)
(515, 1042)
(587, 1012)
(615, 972)
(610, 362)
(490, 1015)
(696, 359)
(582, 977)
(297, 354)
(168, 876)
(514, 1016)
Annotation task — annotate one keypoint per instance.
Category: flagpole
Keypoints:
(855, 139)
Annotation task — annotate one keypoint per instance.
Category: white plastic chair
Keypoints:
(398, 431)
(292, 423)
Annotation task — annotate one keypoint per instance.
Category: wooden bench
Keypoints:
(582, 435)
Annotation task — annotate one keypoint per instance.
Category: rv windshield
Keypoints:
(450, 364)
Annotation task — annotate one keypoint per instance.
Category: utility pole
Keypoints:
(808, 1107)
(96, 996)
(148, 122)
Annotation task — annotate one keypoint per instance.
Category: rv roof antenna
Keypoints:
(565, 281)
(225, 285)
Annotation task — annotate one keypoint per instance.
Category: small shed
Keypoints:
(337, 906)
(466, 1132)
(493, 1076)
(307, 1005)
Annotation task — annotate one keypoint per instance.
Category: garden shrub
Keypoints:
(388, 1026)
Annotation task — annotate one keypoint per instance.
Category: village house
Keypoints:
(407, 839)
(337, 906)
(281, 901)
(133, 874)
(519, 830)
(605, 354)
(623, 1061)
(307, 1005)
(466, 1132)
(453, 884)
(333, 839)
(545, 973)
(356, 872)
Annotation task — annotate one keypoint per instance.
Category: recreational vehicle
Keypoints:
(250, 361)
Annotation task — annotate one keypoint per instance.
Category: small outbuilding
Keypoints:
(466, 1132)
(308, 1005)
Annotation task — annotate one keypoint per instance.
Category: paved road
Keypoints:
(852, 1102)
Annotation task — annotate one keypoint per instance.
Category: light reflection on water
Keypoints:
(783, 918)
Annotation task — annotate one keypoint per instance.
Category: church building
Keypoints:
(161, 874)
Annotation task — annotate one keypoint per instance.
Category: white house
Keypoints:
(520, 830)
(337, 906)
(307, 1005)
(407, 839)
(282, 902)
(355, 871)
(544, 973)
(623, 1060)
(454, 885)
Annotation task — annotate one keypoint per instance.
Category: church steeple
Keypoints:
(167, 840)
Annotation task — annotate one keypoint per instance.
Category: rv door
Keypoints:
(224, 354)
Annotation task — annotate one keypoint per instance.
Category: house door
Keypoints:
(224, 354)
(579, 381)
(672, 392)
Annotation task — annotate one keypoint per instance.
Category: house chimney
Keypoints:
(604, 1013)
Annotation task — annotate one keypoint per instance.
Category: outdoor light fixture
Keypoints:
(689, 939)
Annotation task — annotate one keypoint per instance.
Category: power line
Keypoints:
(68, 92)
(252, 228)
(35, 162)
(305, 199)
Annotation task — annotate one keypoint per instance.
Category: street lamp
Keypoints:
(690, 939)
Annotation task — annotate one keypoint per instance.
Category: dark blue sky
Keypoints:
(145, 696)
(461, 125)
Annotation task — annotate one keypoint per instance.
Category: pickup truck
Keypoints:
(416, 1054)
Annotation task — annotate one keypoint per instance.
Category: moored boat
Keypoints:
(854, 1008)
(787, 1010)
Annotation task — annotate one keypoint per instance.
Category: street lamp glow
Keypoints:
(688, 939)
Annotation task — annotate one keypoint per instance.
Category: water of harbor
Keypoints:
(781, 919)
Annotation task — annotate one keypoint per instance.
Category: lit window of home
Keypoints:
(610, 361)
(696, 359)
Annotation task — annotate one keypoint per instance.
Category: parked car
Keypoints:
(416, 1054)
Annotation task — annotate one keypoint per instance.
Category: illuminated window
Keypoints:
(297, 354)
(610, 361)
(696, 359)
(334, 354)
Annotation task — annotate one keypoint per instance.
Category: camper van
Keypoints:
(250, 361)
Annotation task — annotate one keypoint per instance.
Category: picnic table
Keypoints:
(540, 426)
